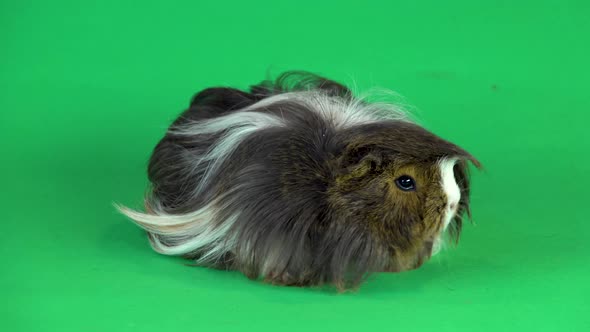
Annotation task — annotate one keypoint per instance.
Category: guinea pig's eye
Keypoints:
(405, 183)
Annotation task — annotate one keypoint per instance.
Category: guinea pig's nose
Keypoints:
(452, 206)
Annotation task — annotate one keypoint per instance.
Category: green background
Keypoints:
(88, 88)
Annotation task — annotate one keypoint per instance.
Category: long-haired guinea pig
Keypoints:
(299, 182)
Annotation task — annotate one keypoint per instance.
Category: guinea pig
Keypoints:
(299, 182)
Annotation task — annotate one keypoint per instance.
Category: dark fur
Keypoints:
(312, 199)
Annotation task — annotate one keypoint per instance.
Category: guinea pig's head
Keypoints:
(406, 185)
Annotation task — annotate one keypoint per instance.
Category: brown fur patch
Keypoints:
(405, 223)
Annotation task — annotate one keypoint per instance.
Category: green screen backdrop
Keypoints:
(87, 88)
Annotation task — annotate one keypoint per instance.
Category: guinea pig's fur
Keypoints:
(296, 182)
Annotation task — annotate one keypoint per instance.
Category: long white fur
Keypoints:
(452, 193)
(200, 229)
(341, 113)
(192, 231)
(238, 125)
(212, 238)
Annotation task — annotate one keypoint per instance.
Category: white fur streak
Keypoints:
(238, 126)
(450, 188)
(340, 112)
(452, 193)
(189, 232)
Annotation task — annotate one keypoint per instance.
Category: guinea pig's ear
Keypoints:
(357, 162)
